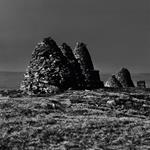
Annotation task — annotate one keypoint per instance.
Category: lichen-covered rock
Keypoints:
(48, 70)
(77, 76)
(113, 82)
(124, 77)
(92, 78)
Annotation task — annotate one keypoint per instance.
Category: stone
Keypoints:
(78, 77)
(53, 69)
(48, 70)
(92, 80)
(91, 76)
(124, 77)
(141, 84)
(82, 55)
(113, 82)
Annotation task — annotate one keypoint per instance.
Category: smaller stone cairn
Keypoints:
(113, 82)
(121, 80)
(141, 84)
(91, 76)
(124, 77)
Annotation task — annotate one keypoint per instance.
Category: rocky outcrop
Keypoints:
(113, 82)
(124, 77)
(91, 76)
(53, 69)
(121, 79)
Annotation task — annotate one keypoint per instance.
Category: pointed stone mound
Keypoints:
(81, 53)
(124, 77)
(77, 76)
(48, 71)
(53, 69)
(113, 82)
(91, 76)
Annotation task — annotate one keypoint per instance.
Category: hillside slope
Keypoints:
(94, 120)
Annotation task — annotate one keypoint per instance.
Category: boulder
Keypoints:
(124, 77)
(48, 71)
(113, 82)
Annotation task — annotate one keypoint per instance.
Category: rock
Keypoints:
(113, 82)
(141, 84)
(124, 77)
(111, 103)
(78, 78)
(48, 70)
(82, 55)
(92, 79)
(53, 69)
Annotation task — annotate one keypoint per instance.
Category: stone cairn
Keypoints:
(75, 69)
(92, 78)
(53, 69)
(121, 79)
(141, 84)
(113, 82)
(124, 77)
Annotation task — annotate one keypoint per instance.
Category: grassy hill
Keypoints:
(76, 120)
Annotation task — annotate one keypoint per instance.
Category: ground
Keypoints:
(104, 119)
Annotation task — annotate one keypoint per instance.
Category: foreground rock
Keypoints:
(92, 78)
(113, 82)
(124, 77)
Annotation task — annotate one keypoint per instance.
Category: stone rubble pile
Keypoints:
(121, 79)
(53, 69)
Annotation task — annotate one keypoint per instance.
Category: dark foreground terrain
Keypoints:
(76, 120)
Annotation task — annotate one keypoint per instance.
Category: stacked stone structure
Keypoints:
(141, 84)
(92, 78)
(124, 77)
(78, 77)
(54, 69)
(121, 79)
(48, 70)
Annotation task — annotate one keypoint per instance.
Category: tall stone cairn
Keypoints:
(77, 76)
(124, 77)
(48, 71)
(113, 82)
(91, 76)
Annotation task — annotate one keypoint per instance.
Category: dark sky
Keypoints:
(117, 32)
